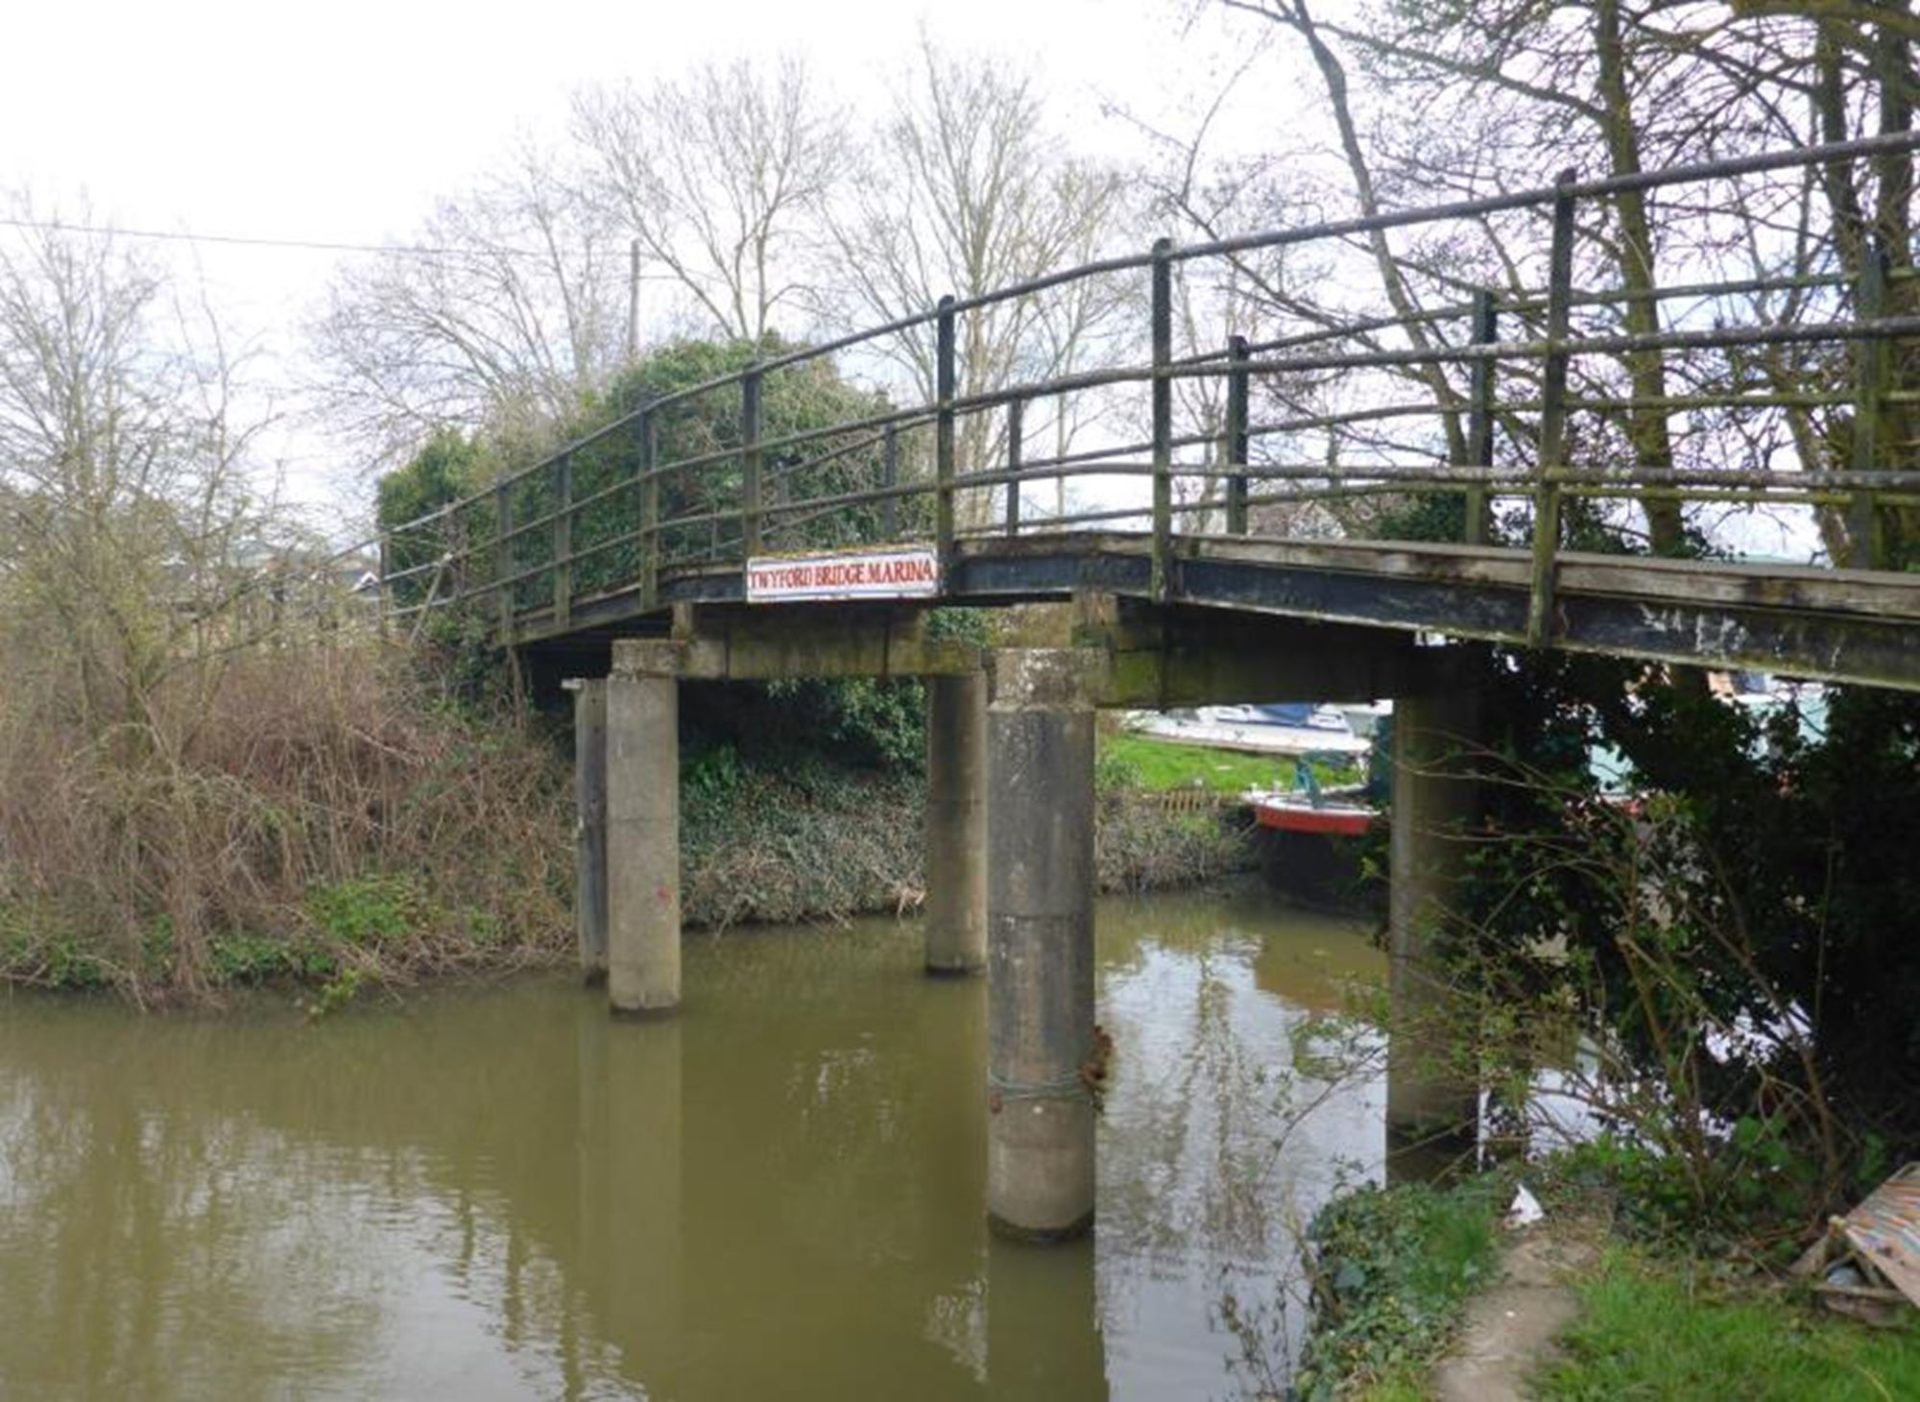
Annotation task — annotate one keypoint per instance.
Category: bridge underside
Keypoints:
(1011, 749)
(1365, 600)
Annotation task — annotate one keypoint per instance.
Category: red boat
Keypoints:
(1299, 813)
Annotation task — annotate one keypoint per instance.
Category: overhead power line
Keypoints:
(403, 250)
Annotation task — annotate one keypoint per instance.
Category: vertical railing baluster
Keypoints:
(647, 508)
(1553, 416)
(1485, 331)
(383, 593)
(1016, 433)
(459, 551)
(1865, 545)
(563, 540)
(1238, 443)
(750, 461)
(1162, 313)
(503, 558)
(890, 479)
(943, 468)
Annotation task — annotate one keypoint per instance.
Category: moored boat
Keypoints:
(1292, 812)
(1306, 807)
(1277, 730)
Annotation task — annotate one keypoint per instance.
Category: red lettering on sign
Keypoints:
(845, 576)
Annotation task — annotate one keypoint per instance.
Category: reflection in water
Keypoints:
(501, 1192)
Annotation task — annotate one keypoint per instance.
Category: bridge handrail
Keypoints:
(1238, 364)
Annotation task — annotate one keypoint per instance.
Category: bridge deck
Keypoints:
(1836, 625)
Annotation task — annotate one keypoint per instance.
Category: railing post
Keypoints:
(943, 470)
(1238, 442)
(503, 559)
(461, 550)
(1865, 542)
(1016, 431)
(1553, 417)
(1162, 416)
(563, 540)
(889, 479)
(750, 461)
(383, 592)
(1485, 332)
(647, 508)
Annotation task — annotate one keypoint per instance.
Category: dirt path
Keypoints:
(1510, 1328)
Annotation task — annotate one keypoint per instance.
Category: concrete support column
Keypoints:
(957, 824)
(590, 826)
(1432, 1093)
(1040, 879)
(643, 829)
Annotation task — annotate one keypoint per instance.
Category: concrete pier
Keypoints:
(590, 827)
(956, 923)
(643, 829)
(1432, 1095)
(1040, 880)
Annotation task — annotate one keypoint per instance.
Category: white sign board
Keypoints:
(899, 572)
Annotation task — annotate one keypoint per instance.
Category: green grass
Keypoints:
(1403, 1386)
(1648, 1330)
(1144, 763)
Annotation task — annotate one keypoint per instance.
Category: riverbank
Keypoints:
(362, 833)
(1422, 1292)
(820, 843)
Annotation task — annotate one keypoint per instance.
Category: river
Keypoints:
(496, 1191)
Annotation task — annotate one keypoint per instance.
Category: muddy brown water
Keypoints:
(497, 1192)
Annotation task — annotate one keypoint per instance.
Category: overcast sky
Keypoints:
(341, 121)
(344, 122)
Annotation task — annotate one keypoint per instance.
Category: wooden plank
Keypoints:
(1885, 1230)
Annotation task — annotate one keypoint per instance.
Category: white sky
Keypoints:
(344, 122)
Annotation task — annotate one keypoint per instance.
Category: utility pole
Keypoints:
(633, 301)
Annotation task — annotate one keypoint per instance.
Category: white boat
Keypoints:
(1365, 720)
(1267, 730)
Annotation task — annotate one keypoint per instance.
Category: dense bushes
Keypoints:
(812, 838)
(702, 429)
(1392, 1270)
(321, 815)
(311, 812)
(1734, 934)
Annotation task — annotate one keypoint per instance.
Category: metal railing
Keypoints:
(1366, 406)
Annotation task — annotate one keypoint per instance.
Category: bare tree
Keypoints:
(722, 178)
(1433, 100)
(512, 310)
(965, 191)
(128, 505)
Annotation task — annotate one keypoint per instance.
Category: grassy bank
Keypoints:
(1158, 765)
(1684, 1329)
(1395, 1269)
